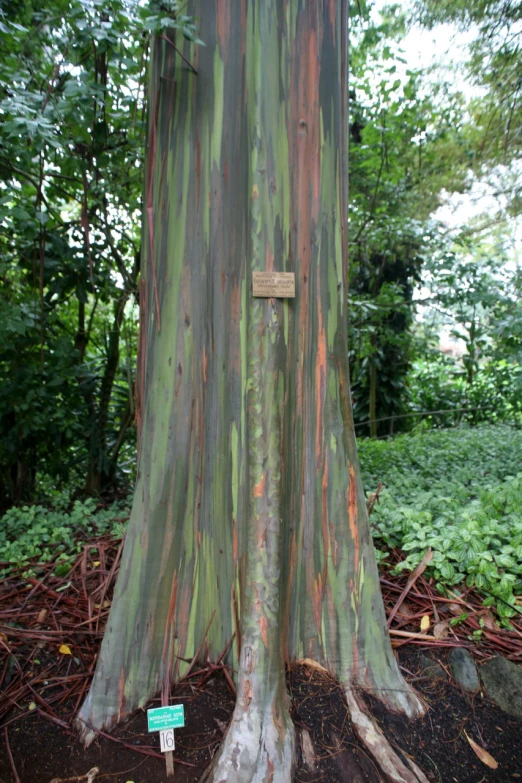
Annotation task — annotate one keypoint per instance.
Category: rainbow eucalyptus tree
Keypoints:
(249, 517)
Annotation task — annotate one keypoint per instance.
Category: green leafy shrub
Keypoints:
(35, 534)
(460, 493)
(438, 383)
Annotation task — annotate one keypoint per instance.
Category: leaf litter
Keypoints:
(51, 626)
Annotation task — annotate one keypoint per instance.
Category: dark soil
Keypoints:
(319, 710)
(438, 742)
(43, 750)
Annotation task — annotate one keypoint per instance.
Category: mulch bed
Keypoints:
(51, 628)
(438, 742)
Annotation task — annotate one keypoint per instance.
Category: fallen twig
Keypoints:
(90, 775)
(11, 759)
(409, 584)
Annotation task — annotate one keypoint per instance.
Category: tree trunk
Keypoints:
(373, 398)
(249, 514)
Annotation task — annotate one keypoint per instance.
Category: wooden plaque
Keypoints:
(274, 284)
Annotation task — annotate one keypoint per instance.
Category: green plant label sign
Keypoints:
(166, 718)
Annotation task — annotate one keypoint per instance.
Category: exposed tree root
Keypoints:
(88, 777)
(350, 741)
(258, 747)
(87, 735)
(390, 765)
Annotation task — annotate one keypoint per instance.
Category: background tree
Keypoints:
(404, 148)
(71, 150)
(471, 291)
(494, 67)
(71, 191)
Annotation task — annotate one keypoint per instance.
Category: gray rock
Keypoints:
(503, 683)
(431, 668)
(464, 670)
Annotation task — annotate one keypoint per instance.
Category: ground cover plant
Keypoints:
(459, 492)
(34, 535)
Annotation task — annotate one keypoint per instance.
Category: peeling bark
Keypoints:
(249, 513)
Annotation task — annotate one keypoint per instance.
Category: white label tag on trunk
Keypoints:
(167, 740)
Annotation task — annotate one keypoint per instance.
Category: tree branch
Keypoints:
(180, 54)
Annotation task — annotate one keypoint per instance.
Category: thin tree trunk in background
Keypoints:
(102, 464)
(373, 400)
(249, 505)
(99, 460)
(80, 339)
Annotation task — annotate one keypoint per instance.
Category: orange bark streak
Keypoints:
(352, 515)
(144, 539)
(269, 259)
(334, 545)
(355, 666)
(324, 487)
(263, 624)
(247, 694)
(261, 539)
(332, 15)
(259, 488)
(223, 20)
(121, 695)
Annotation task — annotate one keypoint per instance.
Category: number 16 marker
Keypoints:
(165, 720)
(167, 740)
